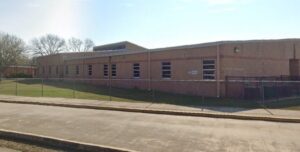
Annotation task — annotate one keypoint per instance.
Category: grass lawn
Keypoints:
(289, 104)
(58, 88)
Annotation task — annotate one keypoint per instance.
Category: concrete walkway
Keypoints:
(155, 106)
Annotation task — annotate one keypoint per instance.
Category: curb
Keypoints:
(57, 142)
(165, 112)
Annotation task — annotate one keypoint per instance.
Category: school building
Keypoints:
(19, 71)
(199, 69)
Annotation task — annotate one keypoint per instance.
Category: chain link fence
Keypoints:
(235, 92)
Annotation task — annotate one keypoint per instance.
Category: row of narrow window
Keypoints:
(50, 70)
(208, 70)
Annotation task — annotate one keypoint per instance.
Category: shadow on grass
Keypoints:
(90, 91)
(292, 104)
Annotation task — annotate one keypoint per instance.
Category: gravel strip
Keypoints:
(26, 147)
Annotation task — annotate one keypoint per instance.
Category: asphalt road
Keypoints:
(150, 132)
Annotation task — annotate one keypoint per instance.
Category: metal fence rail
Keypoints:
(197, 92)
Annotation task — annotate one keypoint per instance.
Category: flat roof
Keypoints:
(116, 46)
(199, 45)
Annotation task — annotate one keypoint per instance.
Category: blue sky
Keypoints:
(152, 23)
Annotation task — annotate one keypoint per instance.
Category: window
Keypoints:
(43, 70)
(105, 70)
(67, 69)
(77, 69)
(113, 70)
(56, 70)
(90, 70)
(136, 70)
(166, 69)
(49, 69)
(208, 69)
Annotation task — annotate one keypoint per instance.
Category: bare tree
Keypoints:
(11, 49)
(88, 44)
(48, 44)
(77, 45)
(24, 59)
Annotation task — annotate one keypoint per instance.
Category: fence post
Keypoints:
(73, 88)
(263, 92)
(109, 91)
(153, 94)
(149, 98)
(226, 86)
(16, 89)
(42, 87)
(202, 99)
(277, 90)
(297, 87)
(151, 90)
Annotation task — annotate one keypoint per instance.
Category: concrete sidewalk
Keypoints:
(276, 113)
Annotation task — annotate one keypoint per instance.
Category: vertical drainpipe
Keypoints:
(149, 71)
(294, 49)
(109, 76)
(218, 70)
(109, 68)
(83, 71)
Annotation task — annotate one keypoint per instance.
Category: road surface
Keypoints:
(150, 132)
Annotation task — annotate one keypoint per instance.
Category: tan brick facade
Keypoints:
(232, 58)
(12, 71)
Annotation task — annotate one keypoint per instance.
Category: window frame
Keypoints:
(77, 70)
(90, 69)
(206, 68)
(136, 70)
(56, 70)
(105, 70)
(166, 70)
(113, 70)
(67, 70)
(49, 69)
